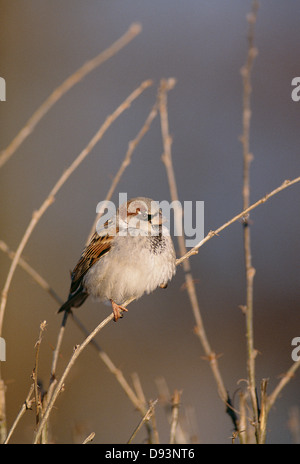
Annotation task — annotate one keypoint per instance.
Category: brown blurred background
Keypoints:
(203, 45)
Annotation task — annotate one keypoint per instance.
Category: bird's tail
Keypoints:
(74, 301)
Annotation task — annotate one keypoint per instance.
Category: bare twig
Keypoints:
(38, 399)
(32, 272)
(165, 399)
(282, 383)
(263, 413)
(57, 351)
(145, 419)
(214, 233)
(175, 414)
(137, 385)
(25, 406)
(247, 158)
(167, 85)
(63, 88)
(37, 394)
(3, 429)
(53, 381)
(243, 436)
(89, 438)
(154, 436)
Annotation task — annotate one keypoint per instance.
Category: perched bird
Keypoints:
(131, 254)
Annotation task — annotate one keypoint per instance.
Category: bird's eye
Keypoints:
(144, 215)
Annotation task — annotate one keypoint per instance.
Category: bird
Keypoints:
(131, 254)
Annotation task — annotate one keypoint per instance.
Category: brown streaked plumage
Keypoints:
(98, 246)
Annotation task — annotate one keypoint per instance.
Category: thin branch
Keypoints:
(165, 399)
(284, 380)
(37, 394)
(213, 233)
(263, 413)
(57, 349)
(165, 86)
(53, 380)
(243, 423)
(154, 437)
(32, 272)
(247, 158)
(151, 430)
(63, 88)
(3, 429)
(175, 414)
(25, 406)
(89, 438)
(137, 385)
(144, 420)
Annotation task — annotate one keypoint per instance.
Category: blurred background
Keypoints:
(203, 45)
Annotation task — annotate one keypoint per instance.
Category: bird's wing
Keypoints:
(98, 246)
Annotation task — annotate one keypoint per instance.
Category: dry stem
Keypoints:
(165, 86)
(2, 411)
(175, 415)
(37, 394)
(213, 233)
(247, 158)
(165, 397)
(89, 438)
(26, 405)
(282, 383)
(144, 420)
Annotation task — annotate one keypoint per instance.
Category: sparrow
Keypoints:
(131, 254)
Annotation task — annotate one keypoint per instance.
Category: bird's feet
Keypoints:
(117, 310)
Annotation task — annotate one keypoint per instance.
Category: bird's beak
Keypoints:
(158, 219)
